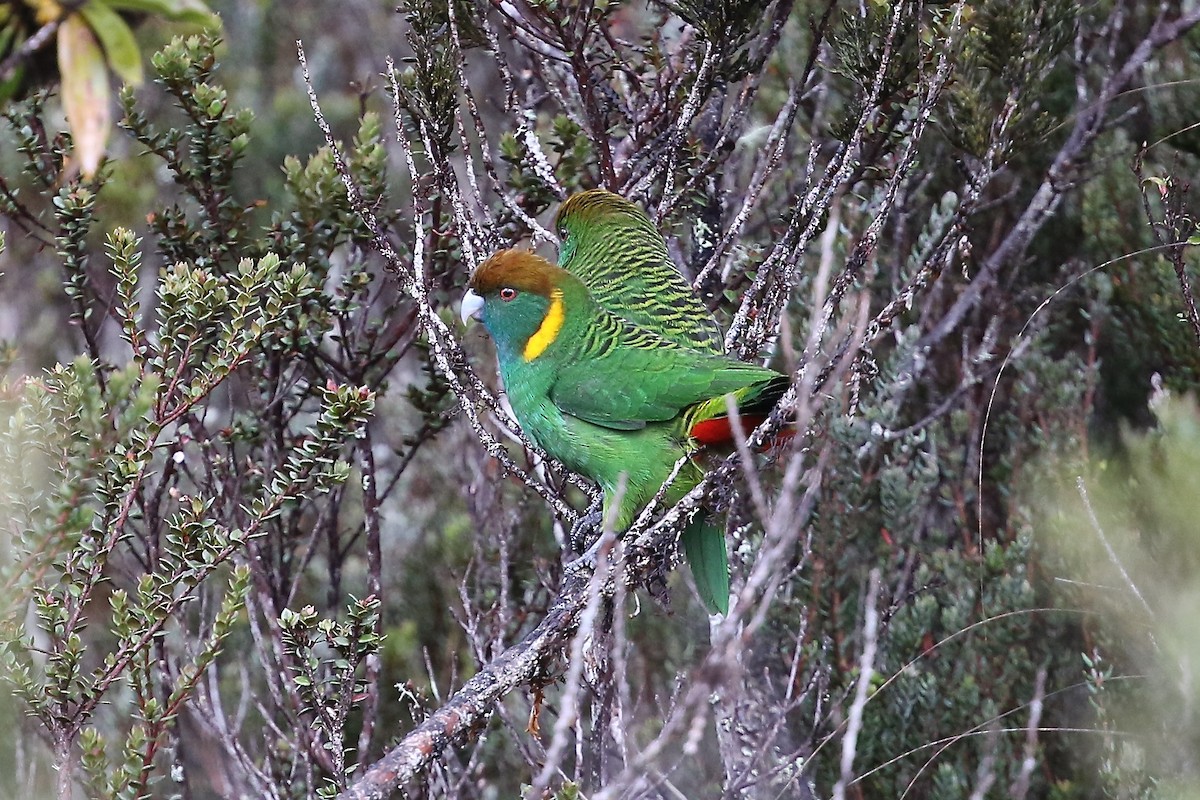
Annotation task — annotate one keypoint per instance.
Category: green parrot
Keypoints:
(612, 400)
(615, 250)
(611, 245)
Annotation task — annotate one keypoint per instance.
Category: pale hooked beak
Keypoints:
(472, 307)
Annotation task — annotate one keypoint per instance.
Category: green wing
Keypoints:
(623, 377)
(615, 250)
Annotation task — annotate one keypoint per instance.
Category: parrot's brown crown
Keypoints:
(523, 270)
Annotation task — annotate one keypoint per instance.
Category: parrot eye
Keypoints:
(563, 232)
(508, 293)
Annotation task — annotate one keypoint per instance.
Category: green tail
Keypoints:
(704, 548)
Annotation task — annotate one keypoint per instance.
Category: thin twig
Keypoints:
(1098, 529)
(866, 669)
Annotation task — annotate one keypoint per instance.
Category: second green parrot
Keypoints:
(614, 401)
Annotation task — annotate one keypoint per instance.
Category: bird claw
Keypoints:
(586, 529)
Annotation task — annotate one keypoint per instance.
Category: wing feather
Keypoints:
(624, 377)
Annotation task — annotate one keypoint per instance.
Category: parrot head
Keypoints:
(596, 208)
(518, 295)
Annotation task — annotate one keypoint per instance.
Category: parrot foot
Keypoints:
(586, 529)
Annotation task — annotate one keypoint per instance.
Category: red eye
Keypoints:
(507, 293)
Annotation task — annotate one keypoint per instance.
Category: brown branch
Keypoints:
(465, 712)
(374, 662)
(40, 39)
(1176, 224)
(1185, 288)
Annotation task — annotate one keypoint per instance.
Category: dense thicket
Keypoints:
(269, 530)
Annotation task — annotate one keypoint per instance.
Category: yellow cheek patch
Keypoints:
(547, 332)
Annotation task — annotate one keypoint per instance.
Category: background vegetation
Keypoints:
(267, 529)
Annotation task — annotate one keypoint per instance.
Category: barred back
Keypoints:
(608, 331)
(615, 250)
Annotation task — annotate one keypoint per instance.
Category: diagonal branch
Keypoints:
(1089, 124)
(469, 708)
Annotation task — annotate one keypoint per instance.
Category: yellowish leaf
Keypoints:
(85, 91)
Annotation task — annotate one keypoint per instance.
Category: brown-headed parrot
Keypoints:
(610, 395)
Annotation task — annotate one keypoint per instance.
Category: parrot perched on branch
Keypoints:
(616, 401)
